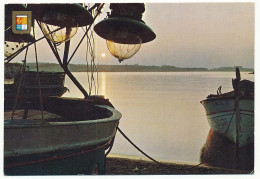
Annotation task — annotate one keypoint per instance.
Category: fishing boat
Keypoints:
(231, 114)
(58, 135)
(51, 84)
(70, 140)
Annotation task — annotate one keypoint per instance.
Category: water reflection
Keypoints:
(161, 112)
(103, 79)
(220, 152)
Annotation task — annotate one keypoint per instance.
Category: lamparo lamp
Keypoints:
(60, 22)
(13, 42)
(124, 30)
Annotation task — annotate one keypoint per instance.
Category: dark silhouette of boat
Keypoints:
(51, 84)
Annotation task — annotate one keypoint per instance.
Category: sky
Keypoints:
(206, 35)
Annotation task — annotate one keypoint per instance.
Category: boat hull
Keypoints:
(63, 162)
(222, 117)
(33, 147)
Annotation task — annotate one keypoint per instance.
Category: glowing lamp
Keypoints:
(124, 30)
(61, 19)
(52, 21)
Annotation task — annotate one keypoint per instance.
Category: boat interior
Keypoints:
(60, 109)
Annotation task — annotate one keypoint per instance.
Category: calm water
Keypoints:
(161, 112)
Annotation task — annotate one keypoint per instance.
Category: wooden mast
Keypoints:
(237, 108)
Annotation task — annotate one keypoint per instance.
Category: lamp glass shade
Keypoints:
(64, 29)
(13, 42)
(12, 47)
(124, 36)
(123, 51)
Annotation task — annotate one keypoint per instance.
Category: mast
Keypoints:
(237, 108)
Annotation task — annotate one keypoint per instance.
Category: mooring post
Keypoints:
(237, 107)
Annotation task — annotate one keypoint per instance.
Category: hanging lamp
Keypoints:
(13, 42)
(124, 29)
(64, 19)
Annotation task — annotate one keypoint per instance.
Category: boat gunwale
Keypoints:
(226, 98)
(228, 112)
(116, 115)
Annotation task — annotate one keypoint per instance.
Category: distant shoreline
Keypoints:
(13, 67)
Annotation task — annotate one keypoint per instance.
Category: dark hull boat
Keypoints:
(221, 152)
(51, 84)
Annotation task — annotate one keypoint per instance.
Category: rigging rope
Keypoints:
(38, 76)
(93, 68)
(20, 83)
(11, 57)
(221, 140)
(208, 156)
(156, 161)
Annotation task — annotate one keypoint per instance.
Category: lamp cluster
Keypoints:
(123, 29)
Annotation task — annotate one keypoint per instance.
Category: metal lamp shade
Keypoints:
(11, 37)
(76, 11)
(112, 25)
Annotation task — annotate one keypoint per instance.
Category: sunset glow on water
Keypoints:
(161, 112)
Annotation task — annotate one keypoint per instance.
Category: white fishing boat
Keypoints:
(232, 114)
